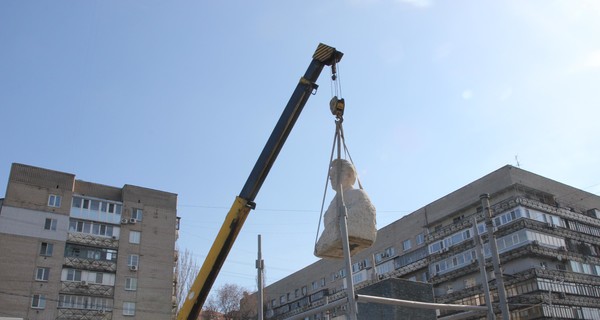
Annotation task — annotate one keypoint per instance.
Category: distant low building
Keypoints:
(73, 249)
(547, 233)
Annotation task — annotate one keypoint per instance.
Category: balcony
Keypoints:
(450, 229)
(87, 314)
(91, 240)
(90, 264)
(83, 288)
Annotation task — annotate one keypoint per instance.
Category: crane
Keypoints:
(244, 202)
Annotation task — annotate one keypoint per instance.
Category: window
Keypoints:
(136, 214)
(41, 274)
(420, 238)
(54, 201)
(314, 285)
(386, 254)
(130, 284)
(406, 245)
(385, 267)
(134, 237)
(84, 302)
(90, 227)
(77, 202)
(304, 290)
(129, 308)
(73, 275)
(50, 224)
(38, 301)
(133, 260)
(436, 246)
(95, 205)
(358, 278)
(110, 207)
(100, 277)
(46, 249)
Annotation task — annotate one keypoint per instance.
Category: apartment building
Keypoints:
(547, 234)
(72, 249)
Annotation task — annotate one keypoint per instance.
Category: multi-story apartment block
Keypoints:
(547, 234)
(71, 249)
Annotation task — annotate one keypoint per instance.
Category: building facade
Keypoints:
(547, 234)
(72, 249)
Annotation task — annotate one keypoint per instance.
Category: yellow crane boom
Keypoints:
(323, 56)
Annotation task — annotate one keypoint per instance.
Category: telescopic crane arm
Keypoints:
(323, 56)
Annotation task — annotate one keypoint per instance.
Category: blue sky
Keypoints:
(181, 96)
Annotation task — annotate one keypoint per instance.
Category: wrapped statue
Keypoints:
(361, 215)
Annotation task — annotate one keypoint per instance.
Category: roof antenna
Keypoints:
(517, 160)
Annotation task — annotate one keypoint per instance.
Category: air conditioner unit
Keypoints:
(132, 220)
(124, 221)
(562, 248)
(83, 283)
(133, 268)
(114, 237)
(101, 311)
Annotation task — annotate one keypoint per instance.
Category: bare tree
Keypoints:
(186, 270)
(226, 300)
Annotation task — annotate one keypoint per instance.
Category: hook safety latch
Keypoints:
(336, 106)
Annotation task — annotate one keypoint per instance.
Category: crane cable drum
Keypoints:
(355, 203)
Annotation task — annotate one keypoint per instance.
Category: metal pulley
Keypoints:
(336, 106)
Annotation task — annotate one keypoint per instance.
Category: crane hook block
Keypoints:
(337, 106)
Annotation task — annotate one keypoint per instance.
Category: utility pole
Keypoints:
(485, 204)
(482, 271)
(343, 216)
(260, 266)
